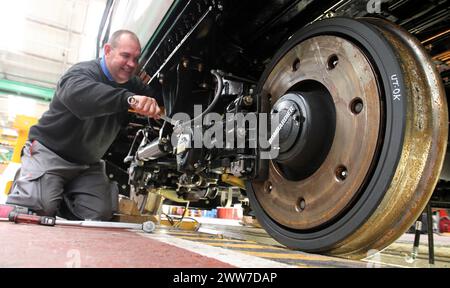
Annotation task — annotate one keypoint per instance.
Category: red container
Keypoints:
(227, 213)
(444, 225)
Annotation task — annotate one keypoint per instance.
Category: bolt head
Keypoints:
(148, 227)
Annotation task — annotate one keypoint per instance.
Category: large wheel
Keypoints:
(360, 156)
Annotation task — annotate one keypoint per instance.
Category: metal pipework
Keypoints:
(218, 76)
(151, 151)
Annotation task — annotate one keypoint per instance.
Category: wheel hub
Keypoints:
(306, 128)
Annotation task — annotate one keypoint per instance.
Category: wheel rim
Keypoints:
(423, 151)
(374, 182)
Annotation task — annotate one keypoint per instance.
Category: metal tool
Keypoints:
(133, 101)
(147, 227)
(169, 120)
(415, 251)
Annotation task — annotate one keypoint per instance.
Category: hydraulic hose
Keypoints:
(215, 99)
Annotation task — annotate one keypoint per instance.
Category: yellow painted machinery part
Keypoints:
(169, 194)
(233, 180)
(22, 124)
(184, 225)
(8, 187)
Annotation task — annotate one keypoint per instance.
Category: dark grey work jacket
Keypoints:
(86, 113)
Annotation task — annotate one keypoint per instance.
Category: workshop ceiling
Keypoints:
(42, 38)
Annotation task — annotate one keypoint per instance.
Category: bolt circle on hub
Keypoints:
(329, 136)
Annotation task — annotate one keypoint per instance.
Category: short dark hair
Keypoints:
(116, 35)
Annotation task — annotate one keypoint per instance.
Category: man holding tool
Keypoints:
(62, 171)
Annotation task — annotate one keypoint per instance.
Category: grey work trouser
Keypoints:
(50, 185)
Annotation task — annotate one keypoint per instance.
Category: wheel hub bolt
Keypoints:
(341, 173)
(301, 205)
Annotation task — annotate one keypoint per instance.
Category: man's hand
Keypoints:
(145, 106)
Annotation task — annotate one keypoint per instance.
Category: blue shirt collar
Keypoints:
(105, 69)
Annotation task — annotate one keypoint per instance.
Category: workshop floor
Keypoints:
(26, 245)
(398, 254)
(213, 246)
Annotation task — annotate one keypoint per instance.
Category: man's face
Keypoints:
(122, 60)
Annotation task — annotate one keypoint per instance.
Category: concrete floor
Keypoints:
(27, 245)
(398, 254)
(218, 244)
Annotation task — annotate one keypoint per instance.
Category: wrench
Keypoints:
(132, 101)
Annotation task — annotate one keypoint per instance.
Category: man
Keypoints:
(62, 171)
